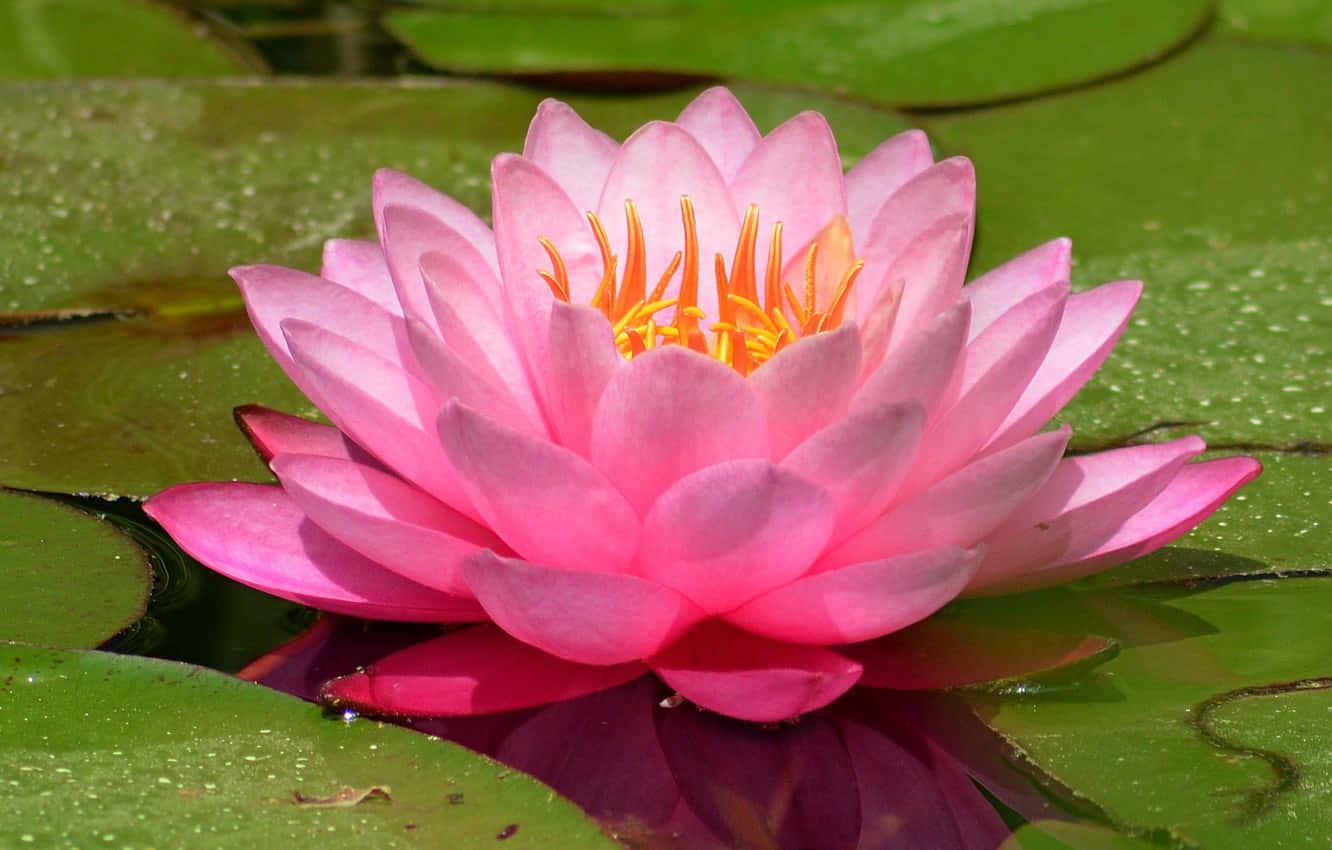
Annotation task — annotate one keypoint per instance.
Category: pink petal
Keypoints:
(272, 433)
(1001, 289)
(587, 617)
(360, 266)
(393, 188)
(860, 460)
(255, 534)
(922, 368)
(669, 412)
(795, 177)
(380, 406)
(388, 521)
(882, 172)
(549, 504)
(409, 234)
(737, 674)
(1191, 496)
(729, 532)
(721, 125)
(807, 385)
(638, 175)
(573, 153)
(583, 362)
(860, 601)
(963, 508)
(928, 273)
(452, 377)
(478, 670)
(1090, 327)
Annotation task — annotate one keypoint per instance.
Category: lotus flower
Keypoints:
(699, 404)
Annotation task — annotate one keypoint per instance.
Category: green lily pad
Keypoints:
(1308, 21)
(1064, 835)
(56, 39)
(107, 750)
(909, 52)
(1170, 737)
(132, 199)
(47, 549)
(1208, 177)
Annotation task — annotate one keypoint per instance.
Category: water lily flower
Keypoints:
(700, 403)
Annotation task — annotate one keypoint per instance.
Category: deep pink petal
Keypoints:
(807, 386)
(881, 172)
(740, 675)
(795, 177)
(452, 377)
(583, 362)
(1003, 288)
(1090, 327)
(587, 617)
(922, 368)
(360, 266)
(669, 412)
(860, 601)
(729, 532)
(273, 432)
(549, 504)
(860, 460)
(385, 519)
(573, 153)
(393, 188)
(963, 508)
(255, 534)
(721, 125)
(478, 670)
(411, 233)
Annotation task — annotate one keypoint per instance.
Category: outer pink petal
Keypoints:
(737, 674)
(587, 617)
(807, 386)
(479, 670)
(569, 150)
(272, 433)
(1001, 289)
(360, 266)
(388, 521)
(861, 601)
(377, 404)
(963, 508)
(1090, 327)
(922, 368)
(640, 174)
(860, 460)
(729, 532)
(882, 172)
(409, 234)
(721, 125)
(669, 412)
(255, 534)
(584, 361)
(452, 377)
(395, 188)
(549, 504)
(795, 177)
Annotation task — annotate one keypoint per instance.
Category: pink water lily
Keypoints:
(699, 404)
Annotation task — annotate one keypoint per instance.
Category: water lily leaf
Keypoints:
(47, 547)
(1207, 177)
(1192, 749)
(155, 754)
(909, 52)
(130, 200)
(1308, 21)
(1064, 835)
(55, 39)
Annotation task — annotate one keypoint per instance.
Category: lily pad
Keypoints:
(55, 39)
(47, 549)
(910, 52)
(1189, 749)
(1208, 177)
(109, 750)
(1307, 21)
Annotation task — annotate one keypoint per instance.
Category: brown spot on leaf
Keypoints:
(344, 798)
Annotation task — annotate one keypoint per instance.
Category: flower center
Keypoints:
(749, 328)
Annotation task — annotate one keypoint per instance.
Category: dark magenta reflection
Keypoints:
(877, 769)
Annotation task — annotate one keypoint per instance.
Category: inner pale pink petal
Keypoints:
(730, 532)
(569, 150)
(882, 172)
(722, 126)
(587, 617)
(1001, 289)
(409, 235)
(255, 534)
(927, 275)
(585, 362)
(395, 188)
(360, 266)
(922, 369)
(808, 385)
(726, 670)
(668, 412)
(860, 601)
(478, 670)
(549, 504)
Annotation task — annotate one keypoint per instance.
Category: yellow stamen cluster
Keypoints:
(746, 334)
